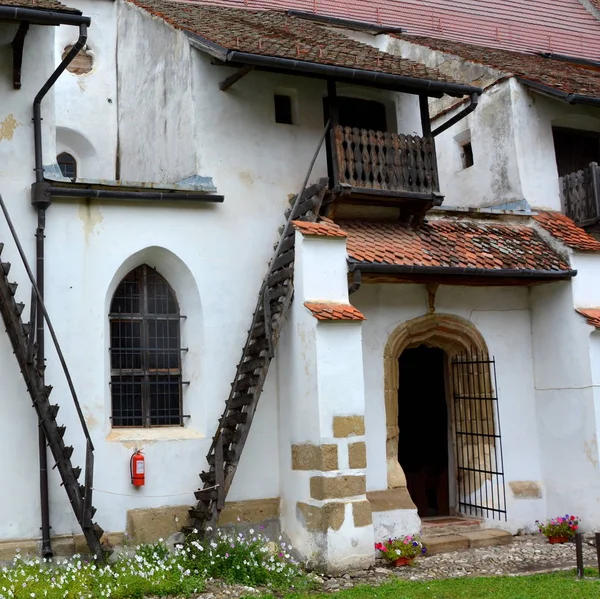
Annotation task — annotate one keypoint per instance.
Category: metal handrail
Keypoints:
(61, 357)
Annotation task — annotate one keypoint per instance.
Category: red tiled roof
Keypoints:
(334, 311)
(560, 26)
(566, 231)
(560, 75)
(273, 33)
(321, 229)
(453, 242)
(592, 315)
(53, 5)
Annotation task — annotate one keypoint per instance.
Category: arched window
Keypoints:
(145, 351)
(67, 165)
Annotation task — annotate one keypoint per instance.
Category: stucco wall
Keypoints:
(86, 104)
(502, 316)
(18, 427)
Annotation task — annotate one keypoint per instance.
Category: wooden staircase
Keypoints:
(272, 306)
(21, 338)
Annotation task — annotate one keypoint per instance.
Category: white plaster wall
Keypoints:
(565, 379)
(586, 290)
(86, 105)
(502, 316)
(18, 427)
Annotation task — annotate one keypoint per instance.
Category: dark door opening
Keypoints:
(423, 423)
(575, 149)
(362, 114)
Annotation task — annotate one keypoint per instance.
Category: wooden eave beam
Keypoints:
(229, 81)
(17, 49)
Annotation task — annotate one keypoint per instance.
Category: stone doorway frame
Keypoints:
(454, 335)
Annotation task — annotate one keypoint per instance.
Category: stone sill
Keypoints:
(151, 435)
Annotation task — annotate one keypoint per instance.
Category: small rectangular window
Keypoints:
(467, 155)
(283, 110)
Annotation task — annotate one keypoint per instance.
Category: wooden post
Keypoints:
(334, 121)
(579, 553)
(598, 550)
(425, 120)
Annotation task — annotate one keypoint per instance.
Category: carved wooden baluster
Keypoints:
(350, 162)
(366, 159)
(407, 181)
(427, 164)
(340, 154)
(373, 158)
(390, 158)
(420, 163)
(380, 139)
(358, 159)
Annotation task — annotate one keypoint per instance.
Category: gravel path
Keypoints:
(527, 554)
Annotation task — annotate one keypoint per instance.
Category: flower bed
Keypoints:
(403, 550)
(154, 570)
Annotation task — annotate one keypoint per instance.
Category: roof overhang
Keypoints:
(456, 275)
(40, 16)
(305, 68)
(559, 94)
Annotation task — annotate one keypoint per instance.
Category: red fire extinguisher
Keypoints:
(138, 469)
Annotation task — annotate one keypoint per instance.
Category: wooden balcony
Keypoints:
(581, 196)
(382, 168)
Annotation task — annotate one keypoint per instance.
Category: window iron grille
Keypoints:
(145, 352)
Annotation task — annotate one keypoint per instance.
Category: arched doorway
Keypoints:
(438, 384)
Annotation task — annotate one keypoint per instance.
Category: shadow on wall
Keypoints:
(76, 144)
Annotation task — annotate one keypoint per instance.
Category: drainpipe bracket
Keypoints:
(40, 195)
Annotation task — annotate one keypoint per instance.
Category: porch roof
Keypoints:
(566, 231)
(276, 40)
(592, 315)
(453, 246)
(567, 78)
(46, 5)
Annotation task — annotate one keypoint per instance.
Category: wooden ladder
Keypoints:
(21, 336)
(273, 304)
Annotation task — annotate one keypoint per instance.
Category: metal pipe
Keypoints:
(359, 76)
(457, 117)
(402, 269)
(42, 17)
(107, 194)
(41, 206)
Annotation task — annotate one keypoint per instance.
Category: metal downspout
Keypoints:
(41, 201)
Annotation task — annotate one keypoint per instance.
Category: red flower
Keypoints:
(380, 547)
(572, 517)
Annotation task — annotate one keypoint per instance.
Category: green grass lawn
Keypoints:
(562, 585)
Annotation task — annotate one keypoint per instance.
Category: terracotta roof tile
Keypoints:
(561, 26)
(275, 33)
(453, 242)
(334, 311)
(563, 76)
(40, 4)
(324, 229)
(592, 315)
(565, 230)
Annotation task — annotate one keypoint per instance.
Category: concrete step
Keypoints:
(486, 537)
(449, 525)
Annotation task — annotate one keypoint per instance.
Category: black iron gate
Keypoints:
(478, 444)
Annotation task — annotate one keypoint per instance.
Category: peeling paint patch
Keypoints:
(8, 127)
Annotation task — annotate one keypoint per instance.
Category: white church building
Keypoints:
(365, 259)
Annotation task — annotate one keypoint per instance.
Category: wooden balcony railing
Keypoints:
(581, 195)
(403, 165)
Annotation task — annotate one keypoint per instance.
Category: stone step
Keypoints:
(449, 525)
(486, 537)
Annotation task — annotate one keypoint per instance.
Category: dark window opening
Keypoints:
(466, 155)
(283, 110)
(145, 352)
(422, 405)
(575, 149)
(362, 114)
(67, 165)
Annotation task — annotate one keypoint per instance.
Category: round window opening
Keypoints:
(82, 63)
